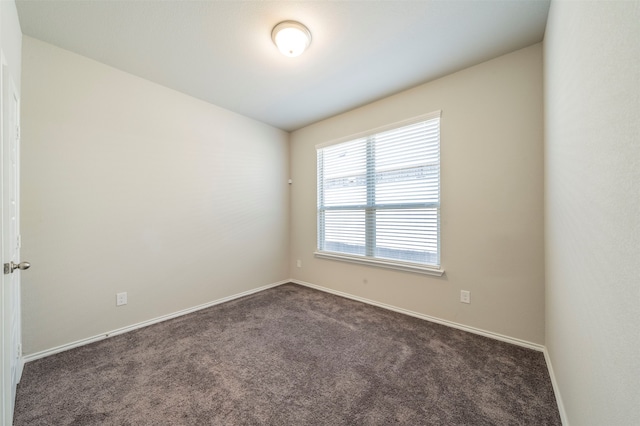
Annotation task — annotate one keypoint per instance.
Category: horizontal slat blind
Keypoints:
(379, 196)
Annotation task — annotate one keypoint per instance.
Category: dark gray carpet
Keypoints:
(290, 356)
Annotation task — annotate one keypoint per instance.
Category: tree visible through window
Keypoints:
(379, 195)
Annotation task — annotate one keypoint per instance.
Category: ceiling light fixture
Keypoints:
(291, 37)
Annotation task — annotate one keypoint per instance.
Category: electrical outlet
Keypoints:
(465, 296)
(299, 263)
(121, 299)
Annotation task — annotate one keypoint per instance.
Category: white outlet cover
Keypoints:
(465, 296)
(121, 299)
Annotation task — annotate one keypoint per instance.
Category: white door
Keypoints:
(11, 331)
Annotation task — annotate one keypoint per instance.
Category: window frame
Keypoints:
(368, 259)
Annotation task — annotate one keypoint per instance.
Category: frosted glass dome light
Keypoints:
(292, 38)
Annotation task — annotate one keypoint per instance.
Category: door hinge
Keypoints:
(19, 242)
(18, 132)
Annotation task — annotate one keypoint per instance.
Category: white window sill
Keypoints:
(400, 266)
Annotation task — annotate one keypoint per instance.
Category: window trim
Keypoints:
(381, 262)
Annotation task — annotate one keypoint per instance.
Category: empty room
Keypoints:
(320, 213)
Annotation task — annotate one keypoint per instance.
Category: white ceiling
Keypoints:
(221, 51)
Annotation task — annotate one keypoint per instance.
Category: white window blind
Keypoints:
(379, 195)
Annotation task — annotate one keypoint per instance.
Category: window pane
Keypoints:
(419, 184)
(344, 231)
(344, 173)
(407, 234)
(407, 164)
(408, 146)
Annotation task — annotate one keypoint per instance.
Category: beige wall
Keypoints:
(492, 210)
(129, 186)
(592, 208)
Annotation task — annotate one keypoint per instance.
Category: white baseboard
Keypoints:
(556, 389)
(20, 369)
(102, 336)
(496, 336)
(82, 342)
(452, 324)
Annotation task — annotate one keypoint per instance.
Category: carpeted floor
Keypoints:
(290, 356)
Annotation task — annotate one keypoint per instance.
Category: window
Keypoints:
(379, 197)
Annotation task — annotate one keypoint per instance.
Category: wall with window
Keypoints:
(491, 199)
(128, 186)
